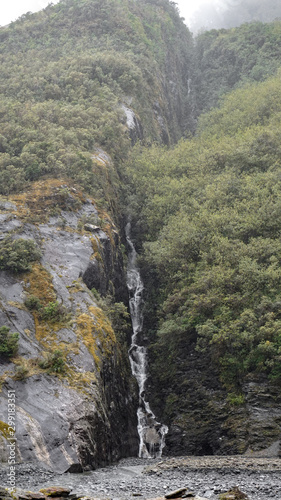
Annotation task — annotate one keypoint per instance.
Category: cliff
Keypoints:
(75, 397)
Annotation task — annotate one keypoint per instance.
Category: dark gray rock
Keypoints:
(86, 418)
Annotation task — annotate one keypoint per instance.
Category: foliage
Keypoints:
(32, 303)
(52, 312)
(117, 313)
(16, 255)
(209, 212)
(225, 59)
(8, 342)
(53, 362)
(65, 72)
(21, 372)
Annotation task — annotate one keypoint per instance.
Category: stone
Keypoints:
(56, 491)
(234, 494)
(91, 228)
(69, 428)
(34, 495)
(177, 493)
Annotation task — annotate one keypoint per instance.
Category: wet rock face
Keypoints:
(204, 420)
(77, 410)
(133, 124)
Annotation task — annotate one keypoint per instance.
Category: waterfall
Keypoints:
(151, 433)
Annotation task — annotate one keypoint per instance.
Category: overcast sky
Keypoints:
(10, 10)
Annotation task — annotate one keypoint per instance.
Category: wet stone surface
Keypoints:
(207, 477)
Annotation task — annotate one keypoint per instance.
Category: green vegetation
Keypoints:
(225, 59)
(8, 342)
(32, 303)
(117, 313)
(52, 312)
(21, 372)
(65, 72)
(16, 255)
(53, 362)
(209, 210)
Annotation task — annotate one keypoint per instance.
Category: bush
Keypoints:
(53, 311)
(21, 372)
(16, 255)
(53, 362)
(8, 342)
(32, 303)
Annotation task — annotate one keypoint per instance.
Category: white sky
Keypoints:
(188, 7)
(10, 10)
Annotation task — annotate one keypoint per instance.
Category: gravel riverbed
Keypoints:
(259, 478)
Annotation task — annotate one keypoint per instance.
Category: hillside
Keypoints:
(110, 111)
(77, 75)
(80, 82)
(208, 216)
(227, 59)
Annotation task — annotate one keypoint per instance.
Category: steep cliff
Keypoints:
(209, 222)
(75, 398)
(80, 80)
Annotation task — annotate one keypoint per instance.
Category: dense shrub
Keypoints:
(53, 362)
(16, 255)
(8, 342)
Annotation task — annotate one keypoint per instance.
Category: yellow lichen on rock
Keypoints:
(4, 430)
(45, 198)
(40, 284)
(97, 333)
(97, 248)
(103, 327)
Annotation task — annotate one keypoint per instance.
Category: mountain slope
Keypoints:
(209, 213)
(80, 81)
(77, 75)
(226, 59)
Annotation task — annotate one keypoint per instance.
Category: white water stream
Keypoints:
(152, 433)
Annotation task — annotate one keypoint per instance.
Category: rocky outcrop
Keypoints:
(133, 124)
(74, 395)
(206, 419)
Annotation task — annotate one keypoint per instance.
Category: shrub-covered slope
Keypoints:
(209, 210)
(225, 59)
(80, 81)
(77, 75)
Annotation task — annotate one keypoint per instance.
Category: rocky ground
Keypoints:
(207, 477)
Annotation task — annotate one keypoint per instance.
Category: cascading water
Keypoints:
(152, 433)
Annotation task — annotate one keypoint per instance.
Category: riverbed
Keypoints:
(207, 477)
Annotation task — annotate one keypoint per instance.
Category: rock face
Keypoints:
(75, 398)
(204, 419)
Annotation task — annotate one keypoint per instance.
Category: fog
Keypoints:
(208, 14)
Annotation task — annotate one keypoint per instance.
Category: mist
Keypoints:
(215, 14)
